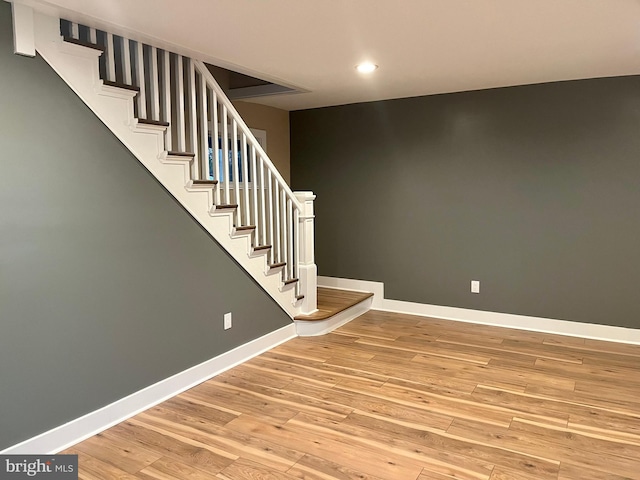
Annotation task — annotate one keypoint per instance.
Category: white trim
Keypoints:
(312, 328)
(75, 431)
(24, 40)
(261, 137)
(377, 288)
(521, 322)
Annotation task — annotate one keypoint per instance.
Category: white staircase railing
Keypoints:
(180, 94)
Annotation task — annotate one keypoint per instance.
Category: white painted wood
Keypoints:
(67, 435)
(242, 126)
(78, 66)
(520, 322)
(263, 224)
(307, 270)
(110, 58)
(277, 232)
(270, 195)
(296, 231)
(196, 166)
(290, 225)
(154, 91)
(23, 33)
(234, 168)
(213, 98)
(166, 97)
(142, 93)
(203, 111)
(179, 82)
(245, 182)
(260, 136)
(322, 327)
(75, 30)
(93, 36)
(126, 61)
(225, 154)
(254, 191)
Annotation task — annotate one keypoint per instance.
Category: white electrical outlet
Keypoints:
(227, 321)
(475, 286)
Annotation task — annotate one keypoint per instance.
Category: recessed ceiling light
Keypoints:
(366, 67)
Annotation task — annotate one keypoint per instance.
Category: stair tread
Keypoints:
(277, 265)
(148, 121)
(124, 86)
(82, 43)
(204, 182)
(262, 247)
(290, 281)
(299, 297)
(225, 206)
(181, 154)
(245, 227)
(332, 301)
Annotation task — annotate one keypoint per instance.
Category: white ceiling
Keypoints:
(422, 46)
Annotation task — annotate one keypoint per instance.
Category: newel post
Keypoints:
(307, 270)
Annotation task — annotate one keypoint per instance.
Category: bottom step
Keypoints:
(335, 308)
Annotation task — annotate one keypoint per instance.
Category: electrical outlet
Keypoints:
(227, 321)
(475, 286)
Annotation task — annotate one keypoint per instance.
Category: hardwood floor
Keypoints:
(391, 396)
(332, 301)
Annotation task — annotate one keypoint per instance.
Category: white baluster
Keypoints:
(166, 97)
(245, 180)
(126, 61)
(225, 154)
(277, 239)
(154, 93)
(75, 31)
(180, 127)
(142, 94)
(93, 36)
(236, 174)
(193, 120)
(214, 141)
(296, 261)
(272, 241)
(254, 189)
(284, 232)
(263, 206)
(110, 59)
(204, 129)
(290, 224)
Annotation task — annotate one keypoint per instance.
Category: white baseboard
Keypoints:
(522, 322)
(377, 288)
(75, 431)
(306, 328)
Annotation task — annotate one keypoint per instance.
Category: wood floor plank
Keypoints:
(392, 397)
(169, 469)
(311, 467)
(336, 449)
(243, 469)
(238, 445)
(120, 454)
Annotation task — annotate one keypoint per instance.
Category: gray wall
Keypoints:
(533, 190)
(106, 284)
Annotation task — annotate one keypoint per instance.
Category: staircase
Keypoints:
(170, 112)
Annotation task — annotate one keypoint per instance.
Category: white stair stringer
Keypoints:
(78, 67)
